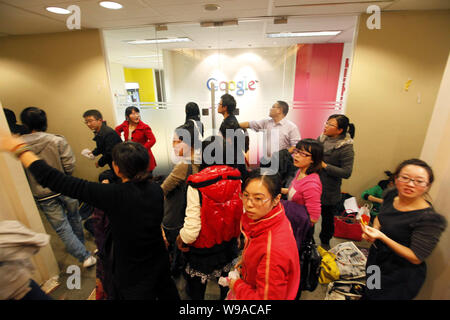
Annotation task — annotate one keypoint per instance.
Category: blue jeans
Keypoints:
(62, 213)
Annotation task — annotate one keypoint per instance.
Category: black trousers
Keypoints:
(196, 289)
(327, 232)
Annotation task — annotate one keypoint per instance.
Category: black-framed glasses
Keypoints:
(327, 124)
(418, 183)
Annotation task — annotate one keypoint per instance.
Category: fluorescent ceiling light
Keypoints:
(150, 41)
(57, 10)
(110, 5)
(302, 34)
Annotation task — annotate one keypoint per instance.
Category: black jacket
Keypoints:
(105, 139)
(135, 211)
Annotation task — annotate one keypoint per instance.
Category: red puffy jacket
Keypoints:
(270, 268)
(221, 207)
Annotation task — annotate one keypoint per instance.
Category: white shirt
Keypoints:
(286, 131)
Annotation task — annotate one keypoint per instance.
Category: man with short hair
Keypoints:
(105, 137)
(288, 133)
(61, 211)
(237, 143)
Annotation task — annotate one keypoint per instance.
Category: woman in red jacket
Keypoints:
(270, 268)
(137, 131)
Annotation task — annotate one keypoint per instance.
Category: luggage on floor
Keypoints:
(345, 290)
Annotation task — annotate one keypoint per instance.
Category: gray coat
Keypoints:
(55, 150)
(339, 162)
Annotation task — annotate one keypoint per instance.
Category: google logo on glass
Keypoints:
(239, 86)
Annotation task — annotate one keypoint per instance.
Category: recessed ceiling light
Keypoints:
(57, 10)
(150, 41)
(211, 7)
(110, 5)
(302, 34)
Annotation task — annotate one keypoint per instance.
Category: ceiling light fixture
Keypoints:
(57, 10)
(110, 5)
(302, 34)
(150, 41)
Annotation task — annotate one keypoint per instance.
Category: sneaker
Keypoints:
(89, 262)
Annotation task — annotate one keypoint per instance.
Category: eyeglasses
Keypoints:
(327, 124)
(257, 201)
(301, 153)
(418, 183)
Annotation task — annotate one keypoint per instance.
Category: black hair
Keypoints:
(34, 119)
(385, 183)
(415, 162)
(93, 113)
(272, 181)
(344, 124)
(210, 158)
(284, 107)
(229, 102)
(10, 116)
(129, 110)
(192, 111)
(316, 149)
(188, 134)
(132, 159)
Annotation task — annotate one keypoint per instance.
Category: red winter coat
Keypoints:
(143, 135)
(221, 207)
(270, 268)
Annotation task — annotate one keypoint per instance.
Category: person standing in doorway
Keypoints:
(137, 131)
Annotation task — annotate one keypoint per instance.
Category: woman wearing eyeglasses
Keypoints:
(405, 232)
(338, 156)
(306, 187)
(270, 268)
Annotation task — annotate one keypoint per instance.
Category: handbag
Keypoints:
(347, 227)
(345, 290)
(310, 260)
(329, 270)
(350, 260)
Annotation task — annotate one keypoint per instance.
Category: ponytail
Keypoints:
(351, 130)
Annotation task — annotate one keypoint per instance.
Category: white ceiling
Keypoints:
(137, 18)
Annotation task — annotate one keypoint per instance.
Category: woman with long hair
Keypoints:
(337, 164)
(134, 129)
(404, 234)
(135, 210)
(306, 188)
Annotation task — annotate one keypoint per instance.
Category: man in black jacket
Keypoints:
(105, 137)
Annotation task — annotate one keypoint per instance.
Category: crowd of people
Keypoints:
(214, 216)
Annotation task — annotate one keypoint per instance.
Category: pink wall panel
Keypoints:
(316, 83)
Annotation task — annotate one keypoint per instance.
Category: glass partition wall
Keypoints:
(160, 69)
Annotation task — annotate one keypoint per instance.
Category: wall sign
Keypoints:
(240, 86)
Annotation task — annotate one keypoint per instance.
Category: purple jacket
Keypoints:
(299, 218)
